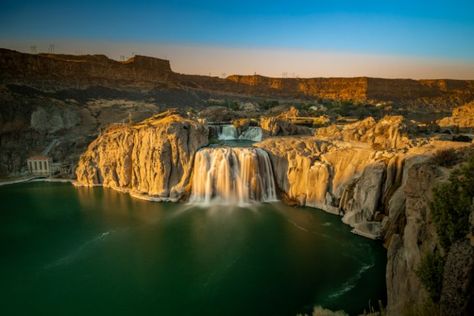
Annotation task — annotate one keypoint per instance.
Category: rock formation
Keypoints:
(153, 158)
(382, 191)
(355, 170)
(281, 125)
(462, 118)
(391, 132)
(54, 71)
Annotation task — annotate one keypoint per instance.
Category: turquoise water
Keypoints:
(93, 251)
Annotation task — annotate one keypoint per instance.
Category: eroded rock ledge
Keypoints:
(150, 159)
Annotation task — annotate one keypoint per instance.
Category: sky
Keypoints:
(304, 38)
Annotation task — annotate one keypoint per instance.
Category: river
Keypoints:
(94, 251)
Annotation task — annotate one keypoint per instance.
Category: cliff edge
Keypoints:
(151, 159)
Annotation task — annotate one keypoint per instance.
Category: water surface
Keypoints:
(68, 251)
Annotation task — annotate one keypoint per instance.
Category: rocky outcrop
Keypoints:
(391, 132)
(150, 159)
(407, 245)
(462, 118)
(281, 124)
(380, 193)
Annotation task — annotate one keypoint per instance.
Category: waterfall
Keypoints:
(252, 133)
(232, 176)
(228, 132)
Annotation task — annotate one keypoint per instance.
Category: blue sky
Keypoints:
(431, 30)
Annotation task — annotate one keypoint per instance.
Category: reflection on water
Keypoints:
(95, 251)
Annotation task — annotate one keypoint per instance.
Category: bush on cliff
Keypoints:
(451, 206)
(450, 210)
(430, 273)
(446, 157)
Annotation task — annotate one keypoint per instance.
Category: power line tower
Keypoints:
(33, 49)
(51, 48)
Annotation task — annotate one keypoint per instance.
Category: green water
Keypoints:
(68, 251)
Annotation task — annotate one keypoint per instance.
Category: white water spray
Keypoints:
(232, 176)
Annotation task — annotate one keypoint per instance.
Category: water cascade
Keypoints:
(229, 132)
(252, 133)
(232, 176)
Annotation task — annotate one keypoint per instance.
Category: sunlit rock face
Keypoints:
(232, 176)
(391, 132)
(462, 118)
(348, 178)
(340, 178)
(380, 193)
(152, 158)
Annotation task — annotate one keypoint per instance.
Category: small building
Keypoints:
(40, 165)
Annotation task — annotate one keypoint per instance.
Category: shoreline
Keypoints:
(35, 179)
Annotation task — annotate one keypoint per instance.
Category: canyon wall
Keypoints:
(379, 177)
(54, 71)
(436, 94)
(152, 159)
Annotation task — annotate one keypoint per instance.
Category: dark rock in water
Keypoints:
(457, 297)
(462, 138)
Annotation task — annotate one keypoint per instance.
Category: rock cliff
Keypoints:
(433, 94)
(150, 159)
(54, 71)
(381, 191)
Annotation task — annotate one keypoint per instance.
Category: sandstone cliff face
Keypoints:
(152, 158)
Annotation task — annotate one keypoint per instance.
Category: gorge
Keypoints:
(270, 176)
(376, 174)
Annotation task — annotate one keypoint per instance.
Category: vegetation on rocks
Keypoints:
(451, 206)
(450, 210)
(430, 273)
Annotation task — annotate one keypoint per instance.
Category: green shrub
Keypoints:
(430, 273)
(446, 157)
(451, 206)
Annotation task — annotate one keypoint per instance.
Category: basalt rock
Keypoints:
(391, 132)
(380, 193)
(462, 118)
(152, 158)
